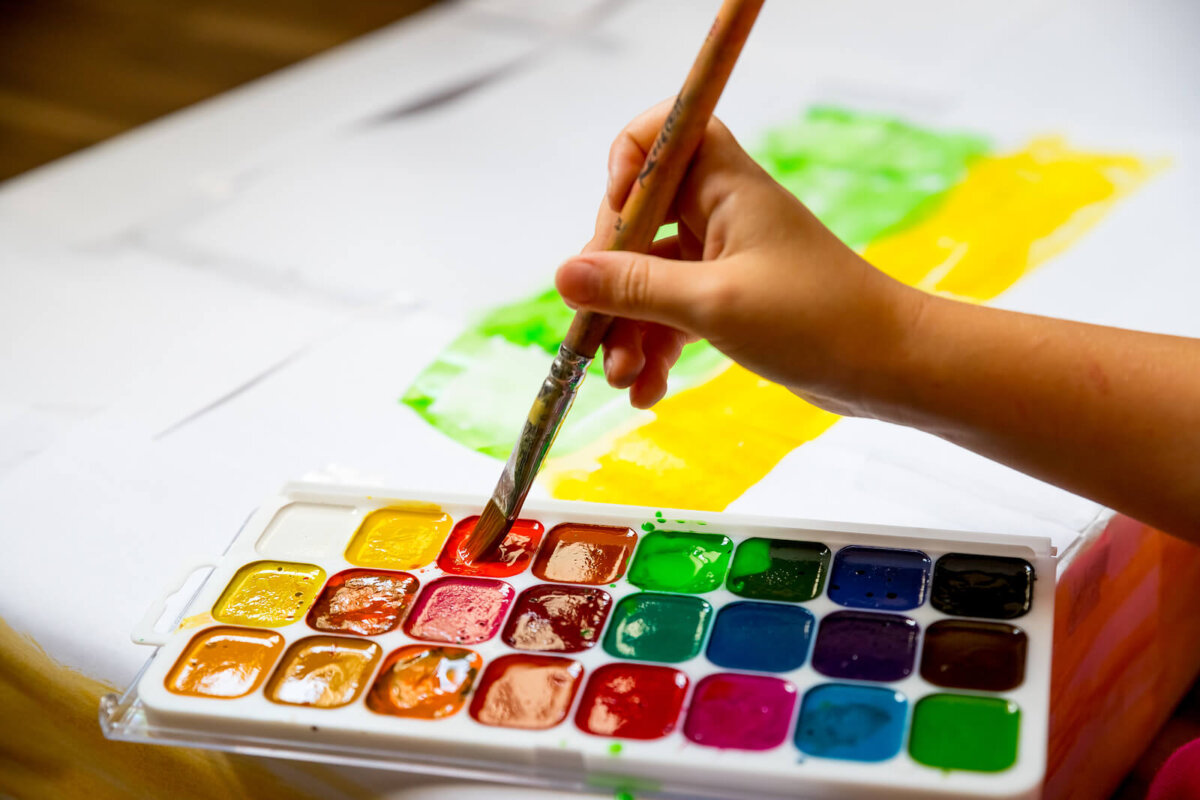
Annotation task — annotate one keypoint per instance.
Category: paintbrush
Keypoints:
(634, 229)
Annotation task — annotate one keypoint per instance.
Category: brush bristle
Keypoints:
(489, 532)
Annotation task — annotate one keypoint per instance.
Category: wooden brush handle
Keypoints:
(667, 162)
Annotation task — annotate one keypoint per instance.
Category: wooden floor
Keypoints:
(75, 72)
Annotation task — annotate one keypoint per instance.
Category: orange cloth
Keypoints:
(1126, 649)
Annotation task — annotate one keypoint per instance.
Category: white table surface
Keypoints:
(197, 311)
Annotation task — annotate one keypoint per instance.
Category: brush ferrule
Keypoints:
(545, 418)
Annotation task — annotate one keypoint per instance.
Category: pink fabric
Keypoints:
(1179, 778)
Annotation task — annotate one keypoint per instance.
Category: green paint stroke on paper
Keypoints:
(866, 174)
(480, 388)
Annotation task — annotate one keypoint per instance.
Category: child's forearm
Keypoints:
(1107, 413)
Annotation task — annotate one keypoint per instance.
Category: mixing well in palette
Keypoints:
(818, 646)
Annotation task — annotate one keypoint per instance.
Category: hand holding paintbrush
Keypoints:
(633, 229)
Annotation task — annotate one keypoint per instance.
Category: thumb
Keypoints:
(634, 285)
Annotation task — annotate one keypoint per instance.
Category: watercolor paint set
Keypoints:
(612, 648)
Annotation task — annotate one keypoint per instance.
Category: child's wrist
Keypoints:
(889, 370)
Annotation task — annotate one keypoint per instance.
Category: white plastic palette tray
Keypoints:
(313, 525)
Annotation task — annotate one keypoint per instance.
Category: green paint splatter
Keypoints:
(866, 174)
(647, 526)
(620, 794)
(615, 748)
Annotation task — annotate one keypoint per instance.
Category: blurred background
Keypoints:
(75, 72)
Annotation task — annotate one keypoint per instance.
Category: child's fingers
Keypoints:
(649, 388)
(662, 346)
(668, 247)
(625, 159)
(628, 153)
(623, 349)
(623, 357)
(691, 247)
(624, 284)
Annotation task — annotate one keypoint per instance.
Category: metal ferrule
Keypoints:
(545, 418)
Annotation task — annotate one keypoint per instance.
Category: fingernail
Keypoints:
(578, 281)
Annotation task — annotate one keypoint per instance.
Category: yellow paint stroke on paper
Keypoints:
(707, 445)
(1011, 214)
(704, 448)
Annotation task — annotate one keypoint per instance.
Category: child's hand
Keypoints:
(1111, 414)
(752, 271)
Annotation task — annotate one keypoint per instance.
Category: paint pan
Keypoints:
(665, 653)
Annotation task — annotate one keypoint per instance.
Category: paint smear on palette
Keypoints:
(933, 208)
